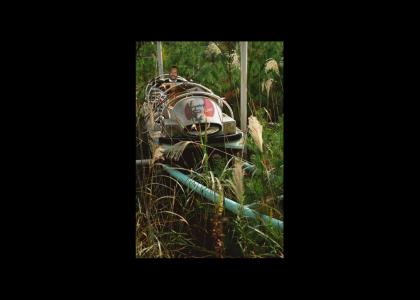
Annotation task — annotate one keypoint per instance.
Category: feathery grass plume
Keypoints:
(255, 128)
(157, 154)
(271, 64)
(267, 86)
(176, 151)
(238, 183)
(235, 61)
(212, 49)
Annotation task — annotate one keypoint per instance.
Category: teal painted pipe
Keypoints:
(248, 167)
(213, 196)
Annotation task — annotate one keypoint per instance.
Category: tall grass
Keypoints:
(173, 221)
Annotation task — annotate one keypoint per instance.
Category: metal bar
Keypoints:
(191, 94)
(143, 162)
(244, 77)
(190, 85)
(159, 57)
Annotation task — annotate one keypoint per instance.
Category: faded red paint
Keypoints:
(206, 107)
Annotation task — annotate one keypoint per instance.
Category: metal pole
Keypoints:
(159, 57)
(244, 83)
(143, 162)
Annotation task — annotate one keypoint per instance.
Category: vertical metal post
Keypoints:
(159, 57)
(244, 84)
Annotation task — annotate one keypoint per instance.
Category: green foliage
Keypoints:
(216, 71)
(266, 183)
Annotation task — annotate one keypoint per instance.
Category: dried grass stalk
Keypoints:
(255, 128)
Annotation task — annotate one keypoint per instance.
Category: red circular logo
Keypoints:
(208, 107)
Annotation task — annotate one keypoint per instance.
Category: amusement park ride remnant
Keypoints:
(188, 111)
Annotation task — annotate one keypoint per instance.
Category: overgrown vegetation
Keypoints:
(216, 65)
(173, 221)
